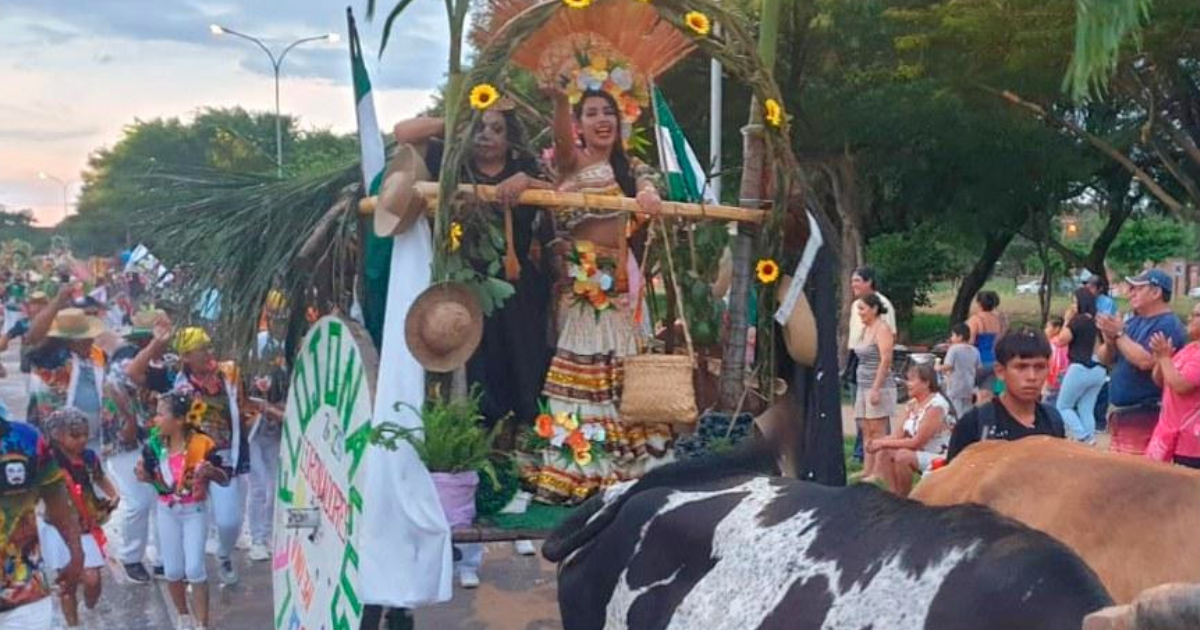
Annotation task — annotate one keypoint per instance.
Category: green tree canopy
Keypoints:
(222, 140)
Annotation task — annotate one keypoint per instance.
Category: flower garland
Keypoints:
(594, 282)
(576, 442)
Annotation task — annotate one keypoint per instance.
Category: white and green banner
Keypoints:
(406, 547)
(685, 178)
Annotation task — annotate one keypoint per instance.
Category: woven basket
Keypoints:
(660, 387)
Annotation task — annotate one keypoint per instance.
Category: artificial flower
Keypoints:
(483, 96)
(456, 234)
(598, 299)
(599, 63)
(767, 271)
(774, 112)
(698, 22)
(566, 420)
(606, 282)
(583, 458)
(577, 441)
(545, 426)
(594, 432)
(622, 78)
(577, 4)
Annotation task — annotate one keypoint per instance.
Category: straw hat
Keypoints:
(444, 326)
(38, 297)
(143, 323)
(73, 323)
(800, 330)
(398, 207)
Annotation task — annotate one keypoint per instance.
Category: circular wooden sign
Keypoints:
(326, 431)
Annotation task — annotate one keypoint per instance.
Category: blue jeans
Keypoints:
(1077, 400)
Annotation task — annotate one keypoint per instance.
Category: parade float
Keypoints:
(358, 519)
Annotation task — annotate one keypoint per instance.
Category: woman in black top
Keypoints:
(515, 352)
(1085, 376)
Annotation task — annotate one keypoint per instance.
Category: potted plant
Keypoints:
(455, 447)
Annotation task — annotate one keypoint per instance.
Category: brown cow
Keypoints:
(1134, 521)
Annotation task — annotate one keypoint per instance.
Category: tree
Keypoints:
(1151, 239)
(223, 140)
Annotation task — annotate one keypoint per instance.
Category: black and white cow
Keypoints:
(718, 544)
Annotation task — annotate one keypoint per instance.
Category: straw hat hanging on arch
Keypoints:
(444, 327)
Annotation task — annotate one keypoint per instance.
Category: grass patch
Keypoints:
(929, 329)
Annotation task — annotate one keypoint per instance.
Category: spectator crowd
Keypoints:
(1134, 375)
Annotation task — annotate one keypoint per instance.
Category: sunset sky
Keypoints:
(74, 73)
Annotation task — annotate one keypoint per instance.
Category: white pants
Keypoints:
(36, 616)
(264, 473)
(182, 530)
(228, 507)
(137, 502)
(472, 557)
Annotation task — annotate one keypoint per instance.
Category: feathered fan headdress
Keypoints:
(617, 46)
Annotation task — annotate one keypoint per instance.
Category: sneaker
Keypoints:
(185, 622)
(468, 579)
(244, 542)
(158, 572)
(211, 545)
(259, 552)
(525, 548)
(229, 574)
(137, 573)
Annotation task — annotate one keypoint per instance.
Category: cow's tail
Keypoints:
(755, 457)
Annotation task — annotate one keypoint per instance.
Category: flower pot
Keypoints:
(456, 491)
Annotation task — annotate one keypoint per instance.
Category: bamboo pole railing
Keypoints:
(554, 199)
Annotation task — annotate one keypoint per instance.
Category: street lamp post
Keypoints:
(44, 176)
(276, 63)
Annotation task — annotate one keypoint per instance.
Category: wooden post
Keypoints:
(733, 365)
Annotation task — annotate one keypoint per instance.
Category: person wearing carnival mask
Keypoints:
(224, 421)
(596, 329)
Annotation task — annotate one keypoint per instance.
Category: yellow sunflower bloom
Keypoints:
(767, 271)
(577, 4)
(698, 22)
(774, 112)
(483, 96)
(456, 234)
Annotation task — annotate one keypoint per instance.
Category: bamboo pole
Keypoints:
(553, 199)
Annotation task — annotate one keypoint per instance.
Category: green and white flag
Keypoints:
(374, 159)
(685, 177)
(405, 547)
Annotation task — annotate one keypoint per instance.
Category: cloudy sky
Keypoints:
(74, 73)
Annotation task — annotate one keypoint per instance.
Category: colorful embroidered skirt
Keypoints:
(585, 378)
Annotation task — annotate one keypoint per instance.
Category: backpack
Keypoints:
(987, 419)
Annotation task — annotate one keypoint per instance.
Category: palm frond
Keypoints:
(244, 235)
(1101, 28)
